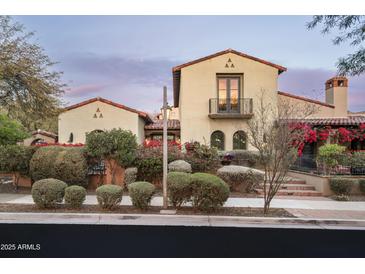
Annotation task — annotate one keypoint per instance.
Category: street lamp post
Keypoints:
(164, 139)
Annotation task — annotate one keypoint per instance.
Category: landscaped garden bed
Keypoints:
(223, 211)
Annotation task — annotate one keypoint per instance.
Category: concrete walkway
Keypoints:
(315, 204)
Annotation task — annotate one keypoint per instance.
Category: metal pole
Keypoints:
(164, 178)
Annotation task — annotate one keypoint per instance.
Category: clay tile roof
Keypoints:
(44, 133)
(176, 71)
(158, 124)
(340, 121)
(305, 99)
(142, 114)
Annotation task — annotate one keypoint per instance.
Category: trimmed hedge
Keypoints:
(241, 179)
(47, 193)
(67, 164)
(141, 194)
(209, 191)
(109, 196)
(180, 166)
(179, 188)
(75, 196)
(341, 186)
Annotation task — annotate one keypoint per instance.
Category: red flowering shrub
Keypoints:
(159, 143)
(344, 135)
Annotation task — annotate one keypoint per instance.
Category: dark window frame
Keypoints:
(238, 76)
(223, 140)
(245, 138)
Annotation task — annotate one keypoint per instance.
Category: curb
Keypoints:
(178, 220)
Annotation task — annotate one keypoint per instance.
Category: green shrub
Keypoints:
(149, 162)
(16, 159)
(130, 176)
(245, 158)
(75, 196)
(202, 158)
(67, 164)
(329, 155)
(47, 193)
(362, 185)
(357, 159)
(141, 194)
(341, 186)
(179, 188)
(240, 178)
(179, 166)
(341, 197)
(209, 191)
(109, 196)
(117, 144)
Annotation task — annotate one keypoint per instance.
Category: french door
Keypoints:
(228, 94)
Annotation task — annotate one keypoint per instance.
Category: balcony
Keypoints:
(230, 108)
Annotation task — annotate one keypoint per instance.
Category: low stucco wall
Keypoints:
(321, 182)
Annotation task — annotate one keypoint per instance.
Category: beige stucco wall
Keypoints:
(80, 120)
(199, 84)
(318, 111)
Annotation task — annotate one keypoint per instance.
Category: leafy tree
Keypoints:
(351, 28)
(29, 89)
(117, 147)
(16, 159)
(11, 131)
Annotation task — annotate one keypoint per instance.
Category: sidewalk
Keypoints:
(315, 204)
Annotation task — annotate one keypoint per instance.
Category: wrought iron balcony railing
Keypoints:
(230, 108)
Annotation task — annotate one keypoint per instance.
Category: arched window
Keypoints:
(217, 140)
(239, 140)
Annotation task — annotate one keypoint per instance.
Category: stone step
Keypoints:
(286, 192)
(294, 187)
(295, 181)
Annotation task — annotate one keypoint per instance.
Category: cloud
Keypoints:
(82, 90)
(311, 83)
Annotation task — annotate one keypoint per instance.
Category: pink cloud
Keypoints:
(84, 90)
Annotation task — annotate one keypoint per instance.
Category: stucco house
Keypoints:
(214, 98)
(217, 95)
(99, 114)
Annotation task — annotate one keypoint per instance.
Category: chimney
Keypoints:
(336, 94)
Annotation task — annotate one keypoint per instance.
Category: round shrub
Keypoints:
(130, 175)
(240, 178)
(64, 163)
(341, 186)
(47, 193)
(209, 191)
(75, 196)
(362, 185)
(179, 188)
(141, 194)
(109, 196)
(180, 166)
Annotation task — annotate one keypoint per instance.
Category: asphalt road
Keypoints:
(65, 240)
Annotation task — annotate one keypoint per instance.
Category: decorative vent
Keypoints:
(229, 63)
(98, 114)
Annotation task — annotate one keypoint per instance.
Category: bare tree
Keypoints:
(272, 133)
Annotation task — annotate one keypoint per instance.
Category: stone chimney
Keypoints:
(336, 94)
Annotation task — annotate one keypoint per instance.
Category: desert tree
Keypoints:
(30, 89)
(272, 134)
(349, 28)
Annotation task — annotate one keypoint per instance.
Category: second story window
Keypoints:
(228, 93)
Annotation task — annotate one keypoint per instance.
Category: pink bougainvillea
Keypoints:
(158, 143)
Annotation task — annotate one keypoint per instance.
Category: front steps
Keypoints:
(293, 187)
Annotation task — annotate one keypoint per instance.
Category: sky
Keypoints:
(128, 59)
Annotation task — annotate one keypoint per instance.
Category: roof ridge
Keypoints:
(299, 97)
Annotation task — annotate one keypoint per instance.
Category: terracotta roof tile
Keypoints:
(158, 124)
(305, 99)
(142, 114)
(340, 121)
(44, 133)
